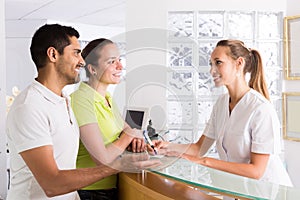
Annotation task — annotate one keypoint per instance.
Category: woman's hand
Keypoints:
(162, 148)
(195, 159)
(137, 145)
(159, 144)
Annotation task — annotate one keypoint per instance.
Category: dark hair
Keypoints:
(91, 53)
(50, 35)
(253, 64)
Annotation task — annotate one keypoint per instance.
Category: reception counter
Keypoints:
(182, 179)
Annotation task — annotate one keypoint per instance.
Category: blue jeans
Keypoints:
(110, 194)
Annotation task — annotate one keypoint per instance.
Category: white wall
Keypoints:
(291, 147)
(3, 173)
(146, 57)
(142, 14)
(20, 68)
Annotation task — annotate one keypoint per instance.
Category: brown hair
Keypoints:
(253, 64)
(91, 53)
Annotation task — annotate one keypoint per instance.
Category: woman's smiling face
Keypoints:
(223, 67)
(109, 65)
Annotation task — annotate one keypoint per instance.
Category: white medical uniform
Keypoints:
(39, 117)
(252, 126)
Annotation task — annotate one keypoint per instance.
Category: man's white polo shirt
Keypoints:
(38, 118)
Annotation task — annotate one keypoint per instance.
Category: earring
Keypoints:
(95, 73)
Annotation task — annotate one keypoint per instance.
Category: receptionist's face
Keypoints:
(223, 67)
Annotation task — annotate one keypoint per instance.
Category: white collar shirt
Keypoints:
(252, 126)
(38, 118)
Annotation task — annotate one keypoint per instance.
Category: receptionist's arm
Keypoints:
(194, 152)
(255, 169)
(199, 148)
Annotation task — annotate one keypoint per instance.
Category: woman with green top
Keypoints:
(98, 115)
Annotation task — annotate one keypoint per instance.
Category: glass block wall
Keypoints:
(191, 38)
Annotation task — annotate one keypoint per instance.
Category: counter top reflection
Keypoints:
(222, 182)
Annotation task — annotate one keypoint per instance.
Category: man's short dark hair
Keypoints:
(50, 35)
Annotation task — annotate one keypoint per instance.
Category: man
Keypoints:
(43, 134)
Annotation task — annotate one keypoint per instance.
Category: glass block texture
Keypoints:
(180, 54)
(240, 25)
(270, 52)
(181, 24)
(180, 83)
(180, 113)
(179, 136)
(189, 62)
(210, 24)
(269, 25)
(205, 49)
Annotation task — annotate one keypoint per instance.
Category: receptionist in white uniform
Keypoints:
(243, 122)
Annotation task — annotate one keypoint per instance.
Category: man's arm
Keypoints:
(55, 181)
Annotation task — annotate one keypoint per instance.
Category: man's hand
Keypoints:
(135, 162)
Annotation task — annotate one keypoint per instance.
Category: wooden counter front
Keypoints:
(151, 186)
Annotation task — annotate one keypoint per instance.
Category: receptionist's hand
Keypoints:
(160, 146)
(195, 159)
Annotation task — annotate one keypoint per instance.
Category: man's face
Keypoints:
(70, 63)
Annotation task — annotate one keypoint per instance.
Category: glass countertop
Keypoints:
(222, 182)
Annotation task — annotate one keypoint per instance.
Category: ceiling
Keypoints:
(95, 12)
